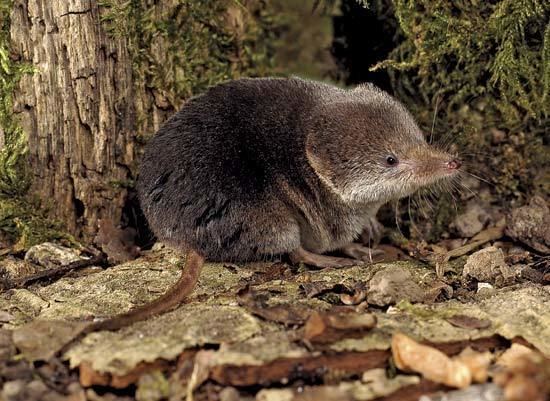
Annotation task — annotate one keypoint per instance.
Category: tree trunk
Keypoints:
(78, 110)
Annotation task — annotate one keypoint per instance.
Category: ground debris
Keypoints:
(434, 365)
(472, 221)
(488, 265)
(330, 326)
(468, 322)
(313, 366)
(118, 244)
(249, 319)
(257, 303)
(392, 285)
(530, 224)
(42, 339)
(524, 374)
(441, 257)
(478, 392)
(50, 255)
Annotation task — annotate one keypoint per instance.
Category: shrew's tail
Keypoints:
(172, 298)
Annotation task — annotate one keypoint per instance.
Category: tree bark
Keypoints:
(78, 110)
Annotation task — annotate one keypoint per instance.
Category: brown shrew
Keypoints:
(255, 168)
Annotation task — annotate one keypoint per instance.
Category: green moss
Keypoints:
(486, 65)
(22, 222)
(182, 48)
(303, 47)
(13, 175)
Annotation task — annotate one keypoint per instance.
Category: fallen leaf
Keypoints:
(434, 365)
(331, 326)
(307, 367)
(477, 362)
(89, 377)
(287, 314)
(201, 371)
(118, 244)
(438, 290)
(468, 322)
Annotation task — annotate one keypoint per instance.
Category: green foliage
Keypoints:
(486, 65)
(13, 175)
(180, 49)
(22, 222)
(463, 49)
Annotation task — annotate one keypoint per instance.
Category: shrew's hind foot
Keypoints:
(322, 261)
(361, 252)
(372, 233)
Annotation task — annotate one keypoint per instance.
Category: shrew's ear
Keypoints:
(319, 147)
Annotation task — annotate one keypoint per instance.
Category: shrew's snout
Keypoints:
(454, 164)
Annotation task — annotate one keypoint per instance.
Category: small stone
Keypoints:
(12, 390)
(152, 386)
(36, 389)
(6, 317)
(530, 225)
(488, 265)
(230, 394)
(392, 285)
(275, 395)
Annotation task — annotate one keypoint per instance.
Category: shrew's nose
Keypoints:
(454, 164)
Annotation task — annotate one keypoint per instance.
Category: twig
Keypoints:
(97, 258)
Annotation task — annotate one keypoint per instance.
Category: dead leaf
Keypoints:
(287, 314)
(89, 377)
(477, 362)
(434, 365)
(201, 371)
(308, 367)
(118, 244)
(438, 290)
(327, 327)
(468, 322)
(317, 288)
(524, 374)
(355, 299)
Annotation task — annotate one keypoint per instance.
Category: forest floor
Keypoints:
(470, 320)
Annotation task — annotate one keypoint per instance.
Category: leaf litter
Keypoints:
(328, 334)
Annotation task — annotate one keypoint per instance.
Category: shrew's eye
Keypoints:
(391, 160)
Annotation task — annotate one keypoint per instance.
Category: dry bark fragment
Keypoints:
(308, 367)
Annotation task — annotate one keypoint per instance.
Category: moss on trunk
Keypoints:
(22, 223)
(473, 67)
